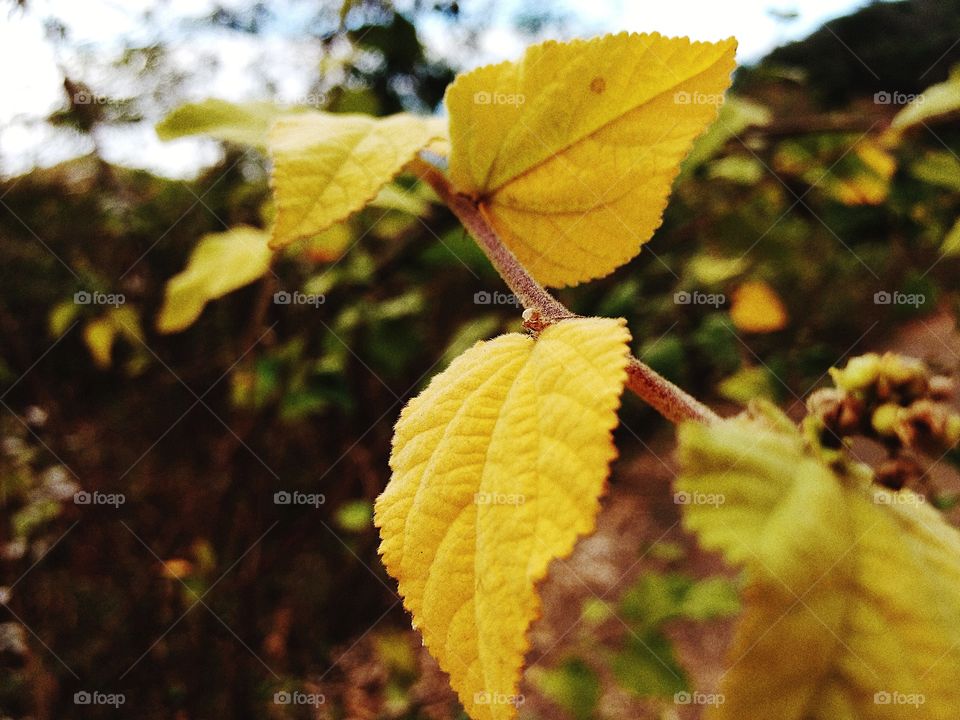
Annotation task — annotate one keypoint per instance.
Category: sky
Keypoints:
(31, 81)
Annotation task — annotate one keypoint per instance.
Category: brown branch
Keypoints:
(662, 395)
(674, 403)
(815, 124)
(528, 291)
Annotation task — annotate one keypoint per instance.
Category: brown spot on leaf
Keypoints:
(598, 85)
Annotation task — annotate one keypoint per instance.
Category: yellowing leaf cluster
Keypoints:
(853, 597)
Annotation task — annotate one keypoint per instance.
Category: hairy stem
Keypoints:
(662, 395)
(529, 292)
(674, 403)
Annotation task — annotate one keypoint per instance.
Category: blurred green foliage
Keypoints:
(198, 430)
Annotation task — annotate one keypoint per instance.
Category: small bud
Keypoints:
(941, 387)
(927, 417)
(885, 419)
(825, 404)
(842, 414)
(859, 374)
(850, 420)
(904, 376)
(532, 320)
(952, 432)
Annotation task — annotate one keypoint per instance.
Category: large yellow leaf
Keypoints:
(498, 467)
(219, 264)
(853, 603)
(328, 166)
(572, 150)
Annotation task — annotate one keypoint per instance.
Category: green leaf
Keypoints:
(938, 168)
(355, 516)
(573, 685)
(61, 316)
(951, 241)
(936, 100)
(736, 115)
(739, 169)
(647, 667)
(853, 597)
(240, 123)
(219, 264)
(659, 597)
(713, 270)
(99, 334)
(468, 335)
(710, 598)
(748, 383)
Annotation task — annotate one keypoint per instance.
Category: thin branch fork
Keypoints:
(675, 404)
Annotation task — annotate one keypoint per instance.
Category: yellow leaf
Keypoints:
(572, 150)
(748, 383)
(857, 174)
(868, 184)
(177, 568)
(219, 264)
(498, 467)
(393, 197)
(852, 608)
(951, 241)
(938, 168)
(756, 308)
(325, 246)
(935, 102)
(61, 316)
(99, 334)
(328, 166)
(240, 123)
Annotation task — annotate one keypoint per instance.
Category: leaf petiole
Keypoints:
(673, 403)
